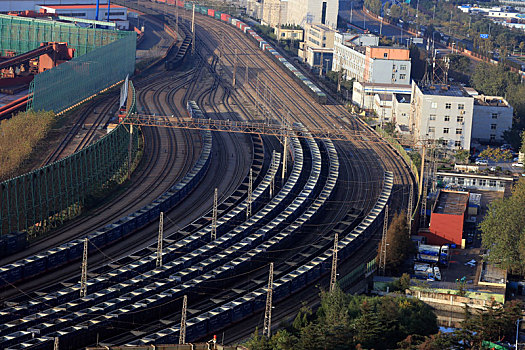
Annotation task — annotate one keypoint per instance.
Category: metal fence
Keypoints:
(71, 82)
(45, 197)
(21, 34)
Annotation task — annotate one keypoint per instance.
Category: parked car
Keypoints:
(518, 164)
(480, 161)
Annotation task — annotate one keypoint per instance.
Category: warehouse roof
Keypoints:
(451, 202)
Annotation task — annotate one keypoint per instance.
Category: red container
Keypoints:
(225, 17)
(161, 1)
(241, 25)
(180, 3)
(171, 2)
(211, 12)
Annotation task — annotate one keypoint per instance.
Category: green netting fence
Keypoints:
(45, 197)
(21, 34)
(71, 82)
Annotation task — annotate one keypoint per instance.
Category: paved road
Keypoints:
(355, 15)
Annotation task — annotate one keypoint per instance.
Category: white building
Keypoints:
(363, 94)
(117, 13)
(371, 64)
(401, 111)
(317, 46)
(454, 117)
(301, 12)
(274, 12)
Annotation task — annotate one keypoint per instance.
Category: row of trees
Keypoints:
(346, 321)
(18, 138)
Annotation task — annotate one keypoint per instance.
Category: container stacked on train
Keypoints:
(109, 234)
(310, 87)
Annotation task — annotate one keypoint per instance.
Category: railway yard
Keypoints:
(277, 201)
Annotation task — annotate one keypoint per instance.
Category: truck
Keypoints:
(424, 271)
(434, 254)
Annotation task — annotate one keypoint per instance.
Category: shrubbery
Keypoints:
(18, 138)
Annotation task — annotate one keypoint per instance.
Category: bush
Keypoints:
(18, 137)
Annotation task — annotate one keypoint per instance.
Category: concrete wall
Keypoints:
(301, 12)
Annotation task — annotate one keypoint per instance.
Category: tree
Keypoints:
(503, 230)
(398, 241)
(496, 154)
(522, 148)
(462, 156)
(395, 12)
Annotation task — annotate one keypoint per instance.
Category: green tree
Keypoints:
(503, 230)
(496, 154)
(522, 148)
(399, 245)
(462, 156)
(395, 12)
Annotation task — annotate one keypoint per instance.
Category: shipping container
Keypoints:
(225, 17)
(211, 12)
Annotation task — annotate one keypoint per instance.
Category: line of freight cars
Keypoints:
(129, 267)
(306, 83)
(246, 305)
(173, 63)
(109, 234)
(142, 295)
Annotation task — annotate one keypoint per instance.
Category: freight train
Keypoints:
(291, 70)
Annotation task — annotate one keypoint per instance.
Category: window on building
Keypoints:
(461, 106)
(473, 182)
(403, 67)
(432, 117)
(402, 76)
(492, 137)
(494, 115)
(448, 105)
(444, 143)
(492, 126)
(482, 182)
(385, 55)
(457, 143)
(459, 131)
(394, 76)
(492, 183)
(445, 130)
(461, 181)
(434, 105)
(431, 129)
(323, 13)
(460, 119)
(447, 118)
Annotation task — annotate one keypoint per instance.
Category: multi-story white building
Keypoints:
(274, 12)
(363, 94)
(317, 46)
(454, 117)
(371, 64)
(301, 12)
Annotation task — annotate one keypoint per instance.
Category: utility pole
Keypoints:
(129, 149)
(182, 337)
(268, 313)
(160, 239)
(333, 275)
(273, 177)
(83, 277)
(351, 11)
(193, 30)
(422, 189)
(257, 96)
(55, 346)
(321, 66)
(214, 216)
(177, 14)
(246, 75)
(382, 256)
(250, 188)
(285, 154)
(234, 67)
(339, 80)
(410, 210)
